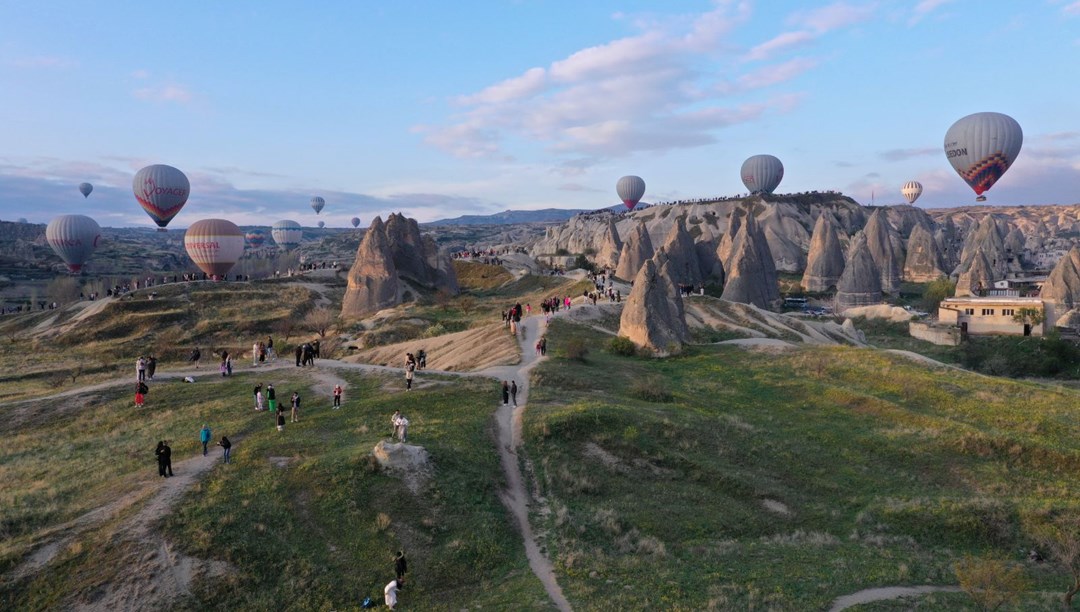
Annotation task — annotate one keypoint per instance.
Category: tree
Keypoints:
(936, 291)
(1029, 316)
(1060, 538)
(991, 583)
(320, 320)
(285, 327)
(62, 289)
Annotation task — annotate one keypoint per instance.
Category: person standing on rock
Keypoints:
(204, 437)
(513, 391)
(226, 448)
(337, 397)
(506, 393)
(295, 407)
(400, 565)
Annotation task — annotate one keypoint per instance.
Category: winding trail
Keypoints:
(508, 419)
(884, 593)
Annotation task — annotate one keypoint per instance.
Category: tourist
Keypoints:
(513, 391)
(410, 370)
(295, 407)
(204, 437)
(226, 447)
(505, 392)
(299, 354)
(391, 591)
(140, 369)
(196, 355)
(166, 454)
(337, 397)
(151, 367)
(159, 453)
(270, 348)
(400, 565)
(255, 353)
(258, 398)
(140, 394)
(280, 419)
(271, 397)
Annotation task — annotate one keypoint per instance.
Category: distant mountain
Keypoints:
(509, 217)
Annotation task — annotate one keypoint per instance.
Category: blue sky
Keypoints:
(438, 109)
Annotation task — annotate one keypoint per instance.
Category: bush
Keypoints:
(576, 349)
(989, 582)
(621, 345)
(652, 389)
(582, 262)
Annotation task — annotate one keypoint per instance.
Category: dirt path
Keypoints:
(884, 593)
(508, 419)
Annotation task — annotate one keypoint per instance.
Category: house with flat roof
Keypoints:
(990, 315)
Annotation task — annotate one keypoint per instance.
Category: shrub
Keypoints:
(991, 583)
(621, 345)
(576, 349)
(652, 389)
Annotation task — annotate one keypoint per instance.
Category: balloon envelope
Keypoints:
(355, 221)
(85, 189)
(74, 238)
(982, 146)
(911, 191)
(255, 238)
(630, 189)
(286, 234)
(762, 173)
(215, 245)
(322, 224)
(161, 191)
(318, 203)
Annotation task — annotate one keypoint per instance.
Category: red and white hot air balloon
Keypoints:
(74, 238)
(161, 191)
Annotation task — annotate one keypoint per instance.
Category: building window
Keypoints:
(969, 311)
(1008, 312)
(987, 311)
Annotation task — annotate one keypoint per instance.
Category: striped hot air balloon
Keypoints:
(74, 238)
(317, 204)
(161, 191)
(981, 147)
(255, 238)
(911, 191)
(762, 173)
(215, 245)
(287, 234)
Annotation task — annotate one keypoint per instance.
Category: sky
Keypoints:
(438, 109)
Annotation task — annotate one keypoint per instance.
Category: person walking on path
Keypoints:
(410, 371)
(255, 354)
(400, 565)
(159, 453)
(151, 367)
(204, 437)
(270, 355)
(299, 354)
(196, 355)
(226, 448)
(506, 393)
(140, 369)
(166, 453)
(513, 391)
(295, 407)
(337, 397)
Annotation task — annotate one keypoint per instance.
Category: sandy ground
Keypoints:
(883, 593)
(469, 350)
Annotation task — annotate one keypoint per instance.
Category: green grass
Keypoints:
(890, 471)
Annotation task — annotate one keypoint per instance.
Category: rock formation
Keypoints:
(1014, 248)
(653, 315)
(389, 254)
(924, 262)
(825, 261)
(751, 272)
(887, 249)
(949, 243)
(682, 256)
(607, 256)
(988, 239)
(1061, 291)
(977, 278)
(860, 285)
(373, 278)
(905, 217)
(723, 248)
(636, 251)
(709, 262)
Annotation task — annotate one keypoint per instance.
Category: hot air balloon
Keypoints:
(162, 191)
(85, 189)
(322, 224)
(255, 238)
(74, 238)
(911, 191)
(355, 221)
(286, 234)
(215, 245)
(630, 189)
(762, 173)
(981, 147)
(318, 203)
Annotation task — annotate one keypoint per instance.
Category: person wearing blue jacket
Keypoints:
(204, 437)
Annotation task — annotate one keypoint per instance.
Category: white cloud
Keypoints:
(776, 73)
(781, 42)
(531, 83)
(832, 17)
(165, 93)
(1071, 9)
(924, 8)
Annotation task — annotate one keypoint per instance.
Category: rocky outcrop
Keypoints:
(905, 217)
(887, 249)
(440, 269)
(709, 262)
(373, 278)
(860, 285)
(950, 244)
(988, 239)
(682, 256)
(825, 261)
(653, 316)
(417, 257)
(607, 256)
(1061, 291)
(751, 272)
(636, 251)
(1014, 248)
(924, 262)
(977, 278)
(727, 240)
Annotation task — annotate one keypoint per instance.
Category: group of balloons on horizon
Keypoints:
(980, 147)
(215, 245)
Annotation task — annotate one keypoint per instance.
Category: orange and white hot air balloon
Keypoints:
(215, 245)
